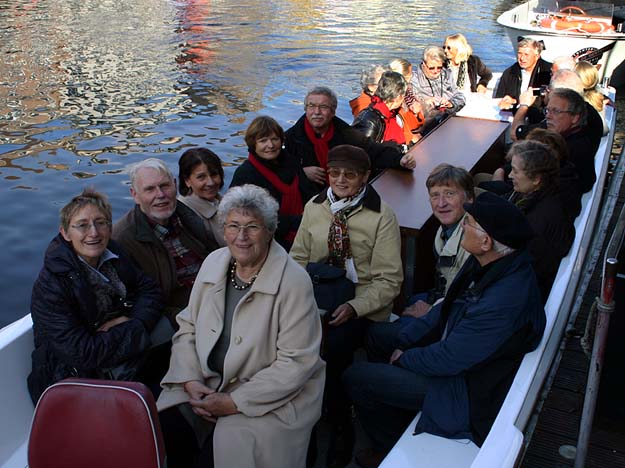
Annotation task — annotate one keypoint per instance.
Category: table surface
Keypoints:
(459, 141)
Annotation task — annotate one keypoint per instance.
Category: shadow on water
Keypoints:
(89, 86)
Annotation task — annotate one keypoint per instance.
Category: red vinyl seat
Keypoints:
(96, 424)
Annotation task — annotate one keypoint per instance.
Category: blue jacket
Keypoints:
(494, 316)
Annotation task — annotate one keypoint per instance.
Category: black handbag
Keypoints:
(331, 287)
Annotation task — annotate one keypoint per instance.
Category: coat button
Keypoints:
(237, 340)
(233, 380)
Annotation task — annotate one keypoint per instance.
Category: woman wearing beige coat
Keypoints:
(245, 383)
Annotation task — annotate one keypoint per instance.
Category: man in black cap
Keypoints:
(457, 363)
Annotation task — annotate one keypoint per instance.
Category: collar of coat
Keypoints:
(215, 269)
(188, 219)
(371, 200)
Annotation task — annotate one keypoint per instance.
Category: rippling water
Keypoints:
(89, 86)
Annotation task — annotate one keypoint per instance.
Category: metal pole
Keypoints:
(605, 306)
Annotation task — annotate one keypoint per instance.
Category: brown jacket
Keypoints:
(272, 369)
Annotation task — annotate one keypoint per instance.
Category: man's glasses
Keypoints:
(250, 229)
(551, 110)
(336, 173)
(321, 107)
(99, 225)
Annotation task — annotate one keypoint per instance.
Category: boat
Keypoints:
(584, 30)
(503, 446)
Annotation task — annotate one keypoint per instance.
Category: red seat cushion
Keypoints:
(96, 423)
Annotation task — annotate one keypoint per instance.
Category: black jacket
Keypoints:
(510, 82)
(370, 122)
(64, 317)
(301, 148)
(475, 69)
(285, 168)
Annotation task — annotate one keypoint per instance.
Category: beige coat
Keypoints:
(376, 248)
(208, 212)
(272, 369)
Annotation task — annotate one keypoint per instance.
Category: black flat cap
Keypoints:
(501, 220)
(349, 157)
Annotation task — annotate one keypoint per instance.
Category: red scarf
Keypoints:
(392, 130)
(320, 143)
(291, 202)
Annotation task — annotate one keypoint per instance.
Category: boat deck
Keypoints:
(558, 419)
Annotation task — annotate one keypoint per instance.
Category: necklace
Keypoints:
(233, 281)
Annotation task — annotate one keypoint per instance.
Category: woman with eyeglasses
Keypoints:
(92, 308)
(269, 166)
(245, 382)
(350, 227)
(535, 178)
(469, 72)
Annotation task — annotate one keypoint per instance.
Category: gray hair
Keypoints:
(567, 79)
(253, 200)
(434, 52)
(371, 75)
(501, 248)
(391, 85)
(150, 163)
(530, 43)
(325, 91)
(576, 103)
(564, 62)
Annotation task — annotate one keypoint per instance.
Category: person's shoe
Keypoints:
(369, 458)
(341, 446)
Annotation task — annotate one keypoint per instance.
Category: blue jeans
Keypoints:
(386, 397)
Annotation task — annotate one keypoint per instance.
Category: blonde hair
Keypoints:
(587, 72)
(462, 45)
(401, 66)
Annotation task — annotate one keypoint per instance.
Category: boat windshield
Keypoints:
(580, 10)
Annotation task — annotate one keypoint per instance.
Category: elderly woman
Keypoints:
(201, 177)
(470, 74)
(92, 309)
(245, 382)
(379, 121)
(269, 166)
(350, 227)
(534, 175)
(369, 79)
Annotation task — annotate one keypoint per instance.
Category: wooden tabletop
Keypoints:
(459, 141)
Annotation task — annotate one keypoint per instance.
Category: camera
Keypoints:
(542, 91)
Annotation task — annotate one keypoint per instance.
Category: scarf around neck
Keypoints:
(392, 129)
(320, 143)
(339, 246)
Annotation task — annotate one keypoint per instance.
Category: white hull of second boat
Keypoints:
(524, 21)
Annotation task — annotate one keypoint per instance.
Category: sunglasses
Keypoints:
(348, 174)
(440, 67)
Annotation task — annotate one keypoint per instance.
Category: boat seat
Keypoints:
(96, 424)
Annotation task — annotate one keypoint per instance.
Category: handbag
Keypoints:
(330, 285)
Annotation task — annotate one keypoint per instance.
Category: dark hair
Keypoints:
(539, 160)
(445, 173)
(551, 138)
(576, 103)
(191, 159)
(261, 127)
(89, 196)
(390, 86)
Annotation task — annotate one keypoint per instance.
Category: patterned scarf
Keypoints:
(462, 72)
(320, 143)
(339, 247)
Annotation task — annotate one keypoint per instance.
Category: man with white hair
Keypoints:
(166, 239)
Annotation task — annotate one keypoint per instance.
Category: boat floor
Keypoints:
(557, 424)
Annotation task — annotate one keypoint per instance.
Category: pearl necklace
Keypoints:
(233, 281)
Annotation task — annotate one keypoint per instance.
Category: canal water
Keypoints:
(90, 86)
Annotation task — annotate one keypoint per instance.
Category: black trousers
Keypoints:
(181, 445)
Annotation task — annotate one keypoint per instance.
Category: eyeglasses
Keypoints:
(438, 67)
(99, 225)
(249, 229)
(551, 110)
(446, 195)
(336, 173)
(321, 107)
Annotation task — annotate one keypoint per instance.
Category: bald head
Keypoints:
(567, 79)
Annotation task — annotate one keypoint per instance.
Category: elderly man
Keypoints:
(433, 85)
(319, 130)
(491, 316)
(165, 238)
(530, 71)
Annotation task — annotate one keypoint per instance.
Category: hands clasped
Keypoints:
(208, 403)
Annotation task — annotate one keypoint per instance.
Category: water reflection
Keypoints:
(88, 86)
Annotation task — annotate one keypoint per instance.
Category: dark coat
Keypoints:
(554, 235)
(298, 145)
(476, 69)
(135, 234)
(510, 82)
(370, 122)
(63, 309)
(286, 168)
(582, 150)
(491, 324)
